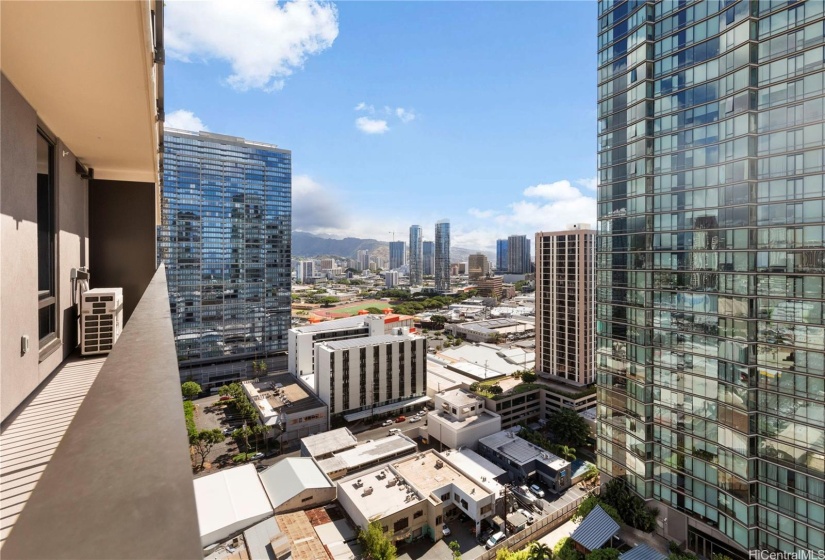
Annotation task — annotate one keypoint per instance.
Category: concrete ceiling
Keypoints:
(87, 69)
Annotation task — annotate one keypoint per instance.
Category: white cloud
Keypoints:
(588, 183)
(263, 42)
(364, 107)
(405, 115)
(314, 206)
(184, 120)
(560, 190)
(481, 214)
(371, 126)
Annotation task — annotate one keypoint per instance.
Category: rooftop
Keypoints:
(595, 529)
(346, 322)
(329, 442)
(461, 423)
(488, 358)
(369, 452)
(280, 394)
(379, 493)
(290, 476)
(521, 451)
(459, 397)
(367, 341)
(477, 467)
(303, 540)
(423, 472)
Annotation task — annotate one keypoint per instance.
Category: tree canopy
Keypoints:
(190, 389)
(568, 427)
(376, 545)
(589, 503)
(204, 441)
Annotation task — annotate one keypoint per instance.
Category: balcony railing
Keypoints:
(120, 483)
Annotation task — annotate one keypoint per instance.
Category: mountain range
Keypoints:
(306, 244)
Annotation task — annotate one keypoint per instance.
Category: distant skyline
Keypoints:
(401, 113)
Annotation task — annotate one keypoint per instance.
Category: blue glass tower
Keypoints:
(501, 255)
(225, 240)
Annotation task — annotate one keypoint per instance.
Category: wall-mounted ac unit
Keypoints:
(101, 320)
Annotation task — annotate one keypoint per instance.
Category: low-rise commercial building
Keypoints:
(376, 375)
(287, 407)
(297, 483)
(325, 445)
(492, 330)
(525, 461)
(414, 497)
(367, 455)
(460, 419)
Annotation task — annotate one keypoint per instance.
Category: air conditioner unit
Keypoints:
(101, 320)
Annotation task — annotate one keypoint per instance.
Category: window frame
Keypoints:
(47, 298)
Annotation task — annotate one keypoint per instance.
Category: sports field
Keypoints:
(348, 310)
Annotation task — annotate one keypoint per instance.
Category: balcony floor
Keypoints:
(30, 439)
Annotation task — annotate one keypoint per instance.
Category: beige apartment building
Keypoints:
(565, 305)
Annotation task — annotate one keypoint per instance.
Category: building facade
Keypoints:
(362, 258)
(460, 419)
(371, 374)
(442, 256)
(518, 255)
(501, 256)
(478, 266)
(416, 256)
(391, 279)
(428, 256)
(225, 240)
(489, 286)
(565, 305)
(304, 271)
(398, 254)
(710, 260)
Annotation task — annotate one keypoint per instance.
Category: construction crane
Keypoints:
(393, 235)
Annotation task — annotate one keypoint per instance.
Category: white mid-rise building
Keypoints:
(301, 340)
(460, 419)
(391, 278)
(375, 375)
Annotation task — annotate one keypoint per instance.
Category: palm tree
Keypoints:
(540, 551)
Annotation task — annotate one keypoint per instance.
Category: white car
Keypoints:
(495, 539)
(528, 515)
(536, 490)
(446, 531)
(415, 419)
(387, 423)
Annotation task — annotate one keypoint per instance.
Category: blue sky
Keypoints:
(402, 112)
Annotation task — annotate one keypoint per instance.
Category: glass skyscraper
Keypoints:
(398, 254)
(428, 253)
(518, 255)
(710, 262)
(501, 255)
(416, 256)
(225, 240)
(442, 255)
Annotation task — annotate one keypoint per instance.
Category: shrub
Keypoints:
(189, 415)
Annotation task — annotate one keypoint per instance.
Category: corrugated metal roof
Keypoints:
(290, 476)
(642, 552)
(329, 442)
(595, 529)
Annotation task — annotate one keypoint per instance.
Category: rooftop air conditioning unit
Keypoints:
(101, 314)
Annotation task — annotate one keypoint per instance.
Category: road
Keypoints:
(380, 431)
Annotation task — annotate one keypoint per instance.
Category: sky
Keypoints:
(401, 113)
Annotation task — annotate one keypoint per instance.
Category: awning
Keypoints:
(385, 408)
(595, 530)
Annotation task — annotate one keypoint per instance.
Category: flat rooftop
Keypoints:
(329, 442)
(387, 496)
(521, 451)
(367, 341)
(277, 394)
(458, 424)
(346, 322)
(422, 472)
(478, 468)
(303, 540)
(366, 453)
(459, 397)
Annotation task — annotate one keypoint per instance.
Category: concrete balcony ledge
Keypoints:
(119, 484)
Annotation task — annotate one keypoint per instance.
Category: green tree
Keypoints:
(190, 390)
(455, 547)
(375, 544)
(528, 377)
(540, 551)
(243, 433)
(604, 554)
(374, 311)
(589, 503)
(203, 443)
(568, 427)
(564, 550)
(439, 320)
(591, 474)
(717, 556)
(630, 506)
(495, 390)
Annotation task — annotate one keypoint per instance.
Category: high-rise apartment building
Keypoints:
(478, 266)
(304, 271)
(398, 254)
(328, 264)
(518, 255)
(501, 255)
(710, 263)
(428, 258)
(416, 256)
(442, 255)
(362, 257)
(565, 305)
(225, 240)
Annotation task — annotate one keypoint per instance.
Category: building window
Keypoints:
(418, 514)
(438, 520)
(47, 303)
(307, 499)
(401, 524)
(445, 497)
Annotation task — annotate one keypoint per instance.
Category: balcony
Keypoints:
(119, 483)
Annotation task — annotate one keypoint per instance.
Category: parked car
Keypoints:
(446, 531)
(387, 423)
(528, 515)
(415, 419)
(400, 419)
(228, 431)
(258, 455)
(536, 490)
(225, 398)
(395, 431)
(494, 540)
